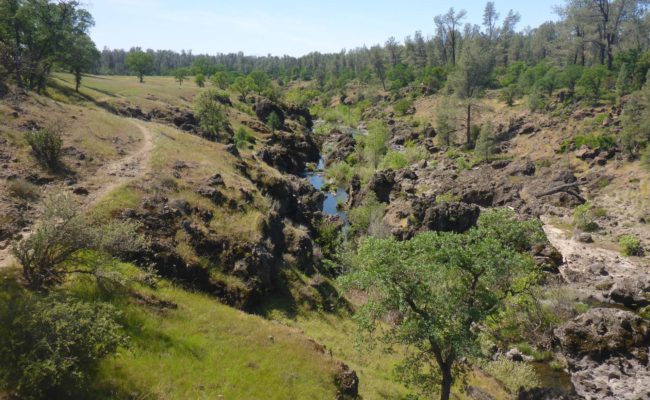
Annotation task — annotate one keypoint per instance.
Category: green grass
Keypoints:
(205, 350)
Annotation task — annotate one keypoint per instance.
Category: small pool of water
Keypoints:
(332, 199)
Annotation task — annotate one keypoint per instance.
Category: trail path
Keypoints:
(115, 174)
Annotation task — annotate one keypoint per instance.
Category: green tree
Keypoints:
(243, 86)
(443, 287)
(139, 63)
(624, 82)
(469, 78)
(485, 143)
(592, 81)
(379, 64)
(260, 81)
(274, 122)
(636, 123)
(221, 80)
(209, 110)
(81, 57)
(374, 144)
(180, 75)
(446, 119)
(199, 79)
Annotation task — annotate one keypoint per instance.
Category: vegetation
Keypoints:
(442, 285)
(52, 346)
(630, 245)
(584, 218)
(46, 145)
(209, 111)
(140, 64)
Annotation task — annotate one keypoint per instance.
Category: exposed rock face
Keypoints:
(545, 394)
(381, 184)
(290, 152)
(264, 108)
(632, 292)
(607, 350)
(341, 145)
(451, 217)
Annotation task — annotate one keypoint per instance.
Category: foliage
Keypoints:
(368, 217)
(403, 106)
(446, 123)
(584, 218)
(46, 145)
(630, 245)
(180, 75)
(374, 144)
(57, 244)
(209, 110)
(401, 159)
(274, 122)
(592, 81)
(51, 347)
(139, 63)
(636, 122)
(199, 79)
(594, 141)
(442, 286)
(244, 86)
(221, 80)
(23, 189)
(341, 173)
(514, 375)
(485, 142)
(243, 137)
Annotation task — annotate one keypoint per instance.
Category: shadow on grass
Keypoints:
(78, 96)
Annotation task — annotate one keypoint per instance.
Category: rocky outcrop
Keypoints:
(290, 152)
(347, 382)
(607, 351)
(338, 146)
(264, 108)
(632, 292)
(381, 184)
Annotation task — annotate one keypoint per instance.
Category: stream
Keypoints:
(332, 199)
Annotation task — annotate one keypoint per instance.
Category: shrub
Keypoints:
(50, 347)
(514, 375)
(403, 106)
(630, 245)
(584, 219)
(242, 137)
(274, 122)
(61, 237)
(46, 145)
(369, 214)
(209, 110)
(341, 173)
(23, 189)
(394, 160)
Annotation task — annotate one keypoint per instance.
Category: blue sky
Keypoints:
(281, 26)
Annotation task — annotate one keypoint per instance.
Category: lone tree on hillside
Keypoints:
(180, 74)
(442, 287)
(81, 57)
(139, 63)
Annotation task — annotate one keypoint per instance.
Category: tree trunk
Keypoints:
(141, 78)
(468, 131)
(445, 384)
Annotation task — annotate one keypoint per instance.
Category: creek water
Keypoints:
(332, 198)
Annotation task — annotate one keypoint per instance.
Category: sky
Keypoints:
(281, 27)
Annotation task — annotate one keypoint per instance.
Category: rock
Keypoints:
(216, 180)
(632, 292)
(584, 237)
(80, 191)
(381, 184)
(545, 394)
(290, 152)
(264, 108)
(586, 153)
(232, 149)
(516, 355)
(451, 217)
(347, 382)
(607, 352)
(213, 194)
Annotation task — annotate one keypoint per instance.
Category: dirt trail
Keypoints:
(588, 267)
(115, 174)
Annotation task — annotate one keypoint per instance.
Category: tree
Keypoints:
(221, 80)
(274, 121)
(636, 123)
(260, 81)
(180, 74)
(446, 123)
(209, 110)
(243, 86)
(378, 64)
(393, 49)
(490, 18)
(81, 57)
(449, 24)
(442, 287)
(199, 79)
(139, 63)
(592, 81)
(485, 142)
(375, 142)
(470, 77)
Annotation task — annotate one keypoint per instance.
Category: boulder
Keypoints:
(451, 217)
(607, 352)
(347, 382)
(381, 184)
(632, 292)
(264, 108)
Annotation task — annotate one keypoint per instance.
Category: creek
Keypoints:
(332, 198)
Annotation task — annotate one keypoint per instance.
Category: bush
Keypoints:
(209, 110)
(341, 173)
(368, 215)
(50, 348)
(242, 137)
(514, 375)
(60, 238)
(403, 106)
(630, 245)
(46, 145)
(23, 189)
(584, 218)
